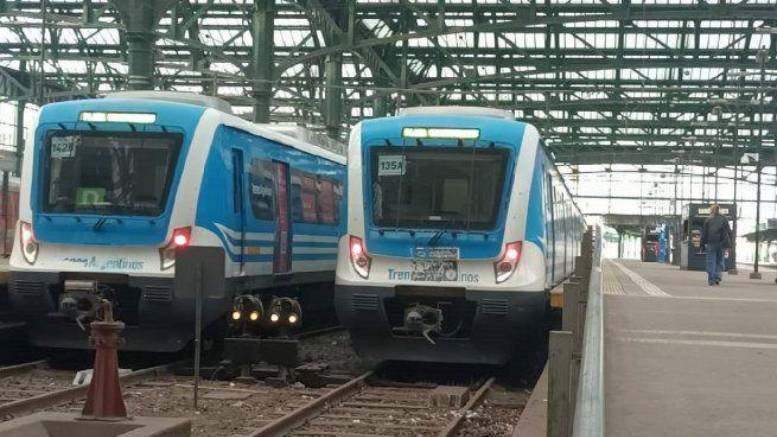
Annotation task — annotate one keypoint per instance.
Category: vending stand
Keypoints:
(692, 254)
(650, 244)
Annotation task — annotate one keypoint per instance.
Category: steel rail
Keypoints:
(21, 368)
(322, 331)
(72, 393)
(308, 411)
(454, 425)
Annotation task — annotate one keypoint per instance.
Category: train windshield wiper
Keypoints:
(99, 223)
(440, 232)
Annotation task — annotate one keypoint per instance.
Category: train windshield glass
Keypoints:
(117, 173)
(450, 188)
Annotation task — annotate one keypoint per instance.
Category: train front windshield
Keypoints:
(451, 188)
(116, 173)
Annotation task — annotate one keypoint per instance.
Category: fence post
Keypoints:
(559, 389)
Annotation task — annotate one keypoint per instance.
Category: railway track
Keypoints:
(30, 386)
(321, 331)
(360, 409)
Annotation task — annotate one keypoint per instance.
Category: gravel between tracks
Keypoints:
(335, 350)
(226, 409)
(229, 409)
(33, 382)
(496, 415)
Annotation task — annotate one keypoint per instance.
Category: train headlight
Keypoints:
(181, 238)
(359, 259)
(246, 308)
(29, 243)
(505, 267)
(285, 310)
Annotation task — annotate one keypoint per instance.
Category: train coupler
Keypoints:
(80, 301)
(423, 320)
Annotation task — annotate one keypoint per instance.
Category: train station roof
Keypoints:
(607, 82)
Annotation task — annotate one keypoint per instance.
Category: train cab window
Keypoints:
(263, 189)
(435, 187)
(109, 173)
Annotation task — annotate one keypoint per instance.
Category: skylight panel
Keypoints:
(7, 36)
(525, 40)
(417, 42)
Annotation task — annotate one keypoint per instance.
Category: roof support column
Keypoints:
(333, 68)
(140, 18)
(19, 133)
(262, 58)
(380, 104)
(333, 99)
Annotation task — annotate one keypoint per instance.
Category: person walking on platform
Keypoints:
(715, 237)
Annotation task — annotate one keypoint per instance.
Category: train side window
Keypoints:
(296, 196)
(315, 200)
(309, 198)
(327, 202)
(263, 189)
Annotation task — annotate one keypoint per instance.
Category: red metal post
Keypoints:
(104, 400)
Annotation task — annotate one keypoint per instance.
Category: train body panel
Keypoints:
(108, 203)
(452, 243)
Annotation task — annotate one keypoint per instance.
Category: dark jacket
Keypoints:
(716, 231)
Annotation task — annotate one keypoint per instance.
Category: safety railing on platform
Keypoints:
(575, 359)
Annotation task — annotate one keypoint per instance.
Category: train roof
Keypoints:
(175, 97)
(272, 133)
(460, 111)
(492, 126)
(295, 136)
(150, 99)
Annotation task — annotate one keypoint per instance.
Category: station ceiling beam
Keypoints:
(603, 81)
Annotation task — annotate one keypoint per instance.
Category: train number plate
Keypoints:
(436, 253)
(435, 270)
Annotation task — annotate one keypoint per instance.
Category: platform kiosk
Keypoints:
(692, 255)
(650, 243)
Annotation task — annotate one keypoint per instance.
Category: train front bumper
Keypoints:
(500, 322)
(158, 317)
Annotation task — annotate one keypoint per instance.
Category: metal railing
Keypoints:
(576, 353)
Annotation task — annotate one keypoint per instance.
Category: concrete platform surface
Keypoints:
(686, 359)
(534, 417)
(67, 425)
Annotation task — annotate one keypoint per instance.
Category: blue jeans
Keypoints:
(715, 262)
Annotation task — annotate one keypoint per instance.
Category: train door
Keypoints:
(565, 212)
(282, 246)
(550, 237)
(238, 190)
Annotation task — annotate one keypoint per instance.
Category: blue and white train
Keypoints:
(113, 187)
(458, 226)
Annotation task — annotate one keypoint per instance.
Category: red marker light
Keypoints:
(359, 259)
(505, 267)
(29, 245)
(356, 248)
(182, 237)
(27, 234)
(180, 240)
(511, 254)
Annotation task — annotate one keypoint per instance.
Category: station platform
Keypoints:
(685, 358)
